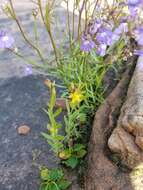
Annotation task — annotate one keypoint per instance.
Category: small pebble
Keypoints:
(23, 130)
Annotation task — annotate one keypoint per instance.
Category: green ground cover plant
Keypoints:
(53, 180)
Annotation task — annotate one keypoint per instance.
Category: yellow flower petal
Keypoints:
(76, 97)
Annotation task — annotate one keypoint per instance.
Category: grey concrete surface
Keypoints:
(10, 65)
(21, 102)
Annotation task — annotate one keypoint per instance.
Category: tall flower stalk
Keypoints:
(73, 19)
(47, 22)
(68, 24)
(80, 17)
(14, 16)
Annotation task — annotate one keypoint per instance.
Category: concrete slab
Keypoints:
(21, 102)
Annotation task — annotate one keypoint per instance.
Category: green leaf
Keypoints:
(64, 184)
(58, 125)
(81, 153)
(52, 186)
(57, 112)
(46, 136)
(78, 147)
(44, 174)
(53, 97)
(43, 186)
(60, 137)
(56, 174)
(72, 162)
(49, 126)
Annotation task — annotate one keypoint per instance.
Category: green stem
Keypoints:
(48, 28)
(86, 14)
(79, 20)
(35, 30)
(73, 20)
(23, 33)
(96, 3)
(68, 20)
(32, 62)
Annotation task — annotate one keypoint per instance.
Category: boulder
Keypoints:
(101, 172)
(124, 143)
(127, 137)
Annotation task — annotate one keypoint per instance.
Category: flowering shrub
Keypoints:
(104, 24)
(102, 39)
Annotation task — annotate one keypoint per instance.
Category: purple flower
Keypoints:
(28, 70)
(6, 40)
(138, 52)
(87, 44)
(102, 50)
(139, 35)
(115, 37)
(133, 11)
(122, 28)
(104, 36)
(134, 3)
(133, 6)
(94, 27)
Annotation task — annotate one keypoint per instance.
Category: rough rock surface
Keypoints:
(123, 143)
(102, 173)
(127, 138)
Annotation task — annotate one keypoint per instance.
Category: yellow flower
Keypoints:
(64, 155)
(76, 97)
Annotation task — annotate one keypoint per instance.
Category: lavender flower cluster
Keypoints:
(102, 34)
